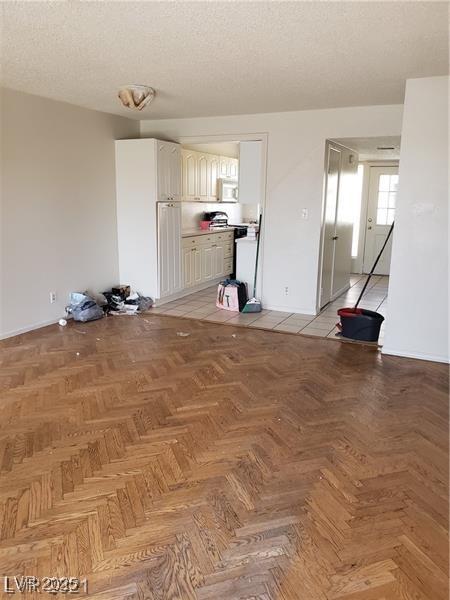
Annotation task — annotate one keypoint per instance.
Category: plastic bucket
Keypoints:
(360, 324)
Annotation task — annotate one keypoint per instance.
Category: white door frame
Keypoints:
(243, 137)
(357, 262)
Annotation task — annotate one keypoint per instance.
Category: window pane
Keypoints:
(394, 183)
(383, 199)
(382, 216)
(392, 199)
(390, 216)
(384, 184)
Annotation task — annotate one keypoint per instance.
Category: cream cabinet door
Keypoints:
(214, 166)
(174, 166)
(189, 175)
(234, 168)
(224, 167)
(169, 246)
(218, 259)
(196, 266)
(203, 182)
(163, 161)
(207, 258)
(188, 279)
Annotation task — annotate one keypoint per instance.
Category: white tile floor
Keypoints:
(201, 305)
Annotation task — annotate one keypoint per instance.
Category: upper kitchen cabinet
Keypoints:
(200, 171)
(233, 168)
(169, 171)
(214, 166)
(251, 173)
(189, 174)
(203, 178)
(229, 167)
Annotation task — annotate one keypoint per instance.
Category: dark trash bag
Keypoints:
(360, 324)
(84, 308)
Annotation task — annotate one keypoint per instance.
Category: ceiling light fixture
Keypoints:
(136, 97)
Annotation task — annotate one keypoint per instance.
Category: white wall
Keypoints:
(417, 323)
(296, 150)
(58, 206)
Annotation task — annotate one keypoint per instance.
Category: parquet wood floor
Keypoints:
(227, 464)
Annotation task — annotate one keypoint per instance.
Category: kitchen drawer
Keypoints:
(225, 236)
(207, 240)
(228, 249)
(228, 266)
(190, 242)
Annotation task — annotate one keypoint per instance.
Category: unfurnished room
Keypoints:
(224, 300)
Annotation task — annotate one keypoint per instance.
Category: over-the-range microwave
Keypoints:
(227, 190)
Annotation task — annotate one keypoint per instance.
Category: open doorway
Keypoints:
(361, 199)
(374, 200)
(341, 164)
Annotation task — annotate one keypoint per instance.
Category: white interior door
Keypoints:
(329, 230)
(383, 183)
(344, 222)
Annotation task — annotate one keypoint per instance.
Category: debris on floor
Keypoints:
(182, 334)
(83, 307)
(62, 322)
(122, 301)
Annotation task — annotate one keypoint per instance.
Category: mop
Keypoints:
(254, 305)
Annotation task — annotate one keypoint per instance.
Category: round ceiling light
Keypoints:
(136, 97)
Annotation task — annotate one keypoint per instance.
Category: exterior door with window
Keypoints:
(383, 185)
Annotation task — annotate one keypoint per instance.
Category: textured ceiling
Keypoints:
(220, 58)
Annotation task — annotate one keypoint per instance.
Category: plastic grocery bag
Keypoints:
(84, 308)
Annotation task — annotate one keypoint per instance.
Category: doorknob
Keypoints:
(370, 227)
(370, 220)
(335, 237)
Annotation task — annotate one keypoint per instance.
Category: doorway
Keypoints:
(381, 204)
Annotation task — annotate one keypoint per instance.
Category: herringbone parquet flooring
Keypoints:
(226, 464)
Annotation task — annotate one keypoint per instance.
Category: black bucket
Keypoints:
(360, 324)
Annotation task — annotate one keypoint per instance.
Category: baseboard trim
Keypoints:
(290, 309)
(14, 332)
(415, 355)
(188, 291)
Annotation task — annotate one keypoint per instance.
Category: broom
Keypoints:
(254, 305)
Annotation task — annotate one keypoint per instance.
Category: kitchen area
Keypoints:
(187, 215)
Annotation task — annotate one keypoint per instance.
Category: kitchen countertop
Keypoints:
(189, 232)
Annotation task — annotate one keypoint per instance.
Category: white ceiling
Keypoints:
(219, 58)
(371, 148)
(230, 149)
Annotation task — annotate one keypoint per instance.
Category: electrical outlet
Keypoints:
(286, 291)
(52, 297)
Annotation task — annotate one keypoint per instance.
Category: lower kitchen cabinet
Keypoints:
(207, 257)
(192, 266)
(218, 260)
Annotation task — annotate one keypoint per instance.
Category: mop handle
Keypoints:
(257, 256)
(374, 266)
